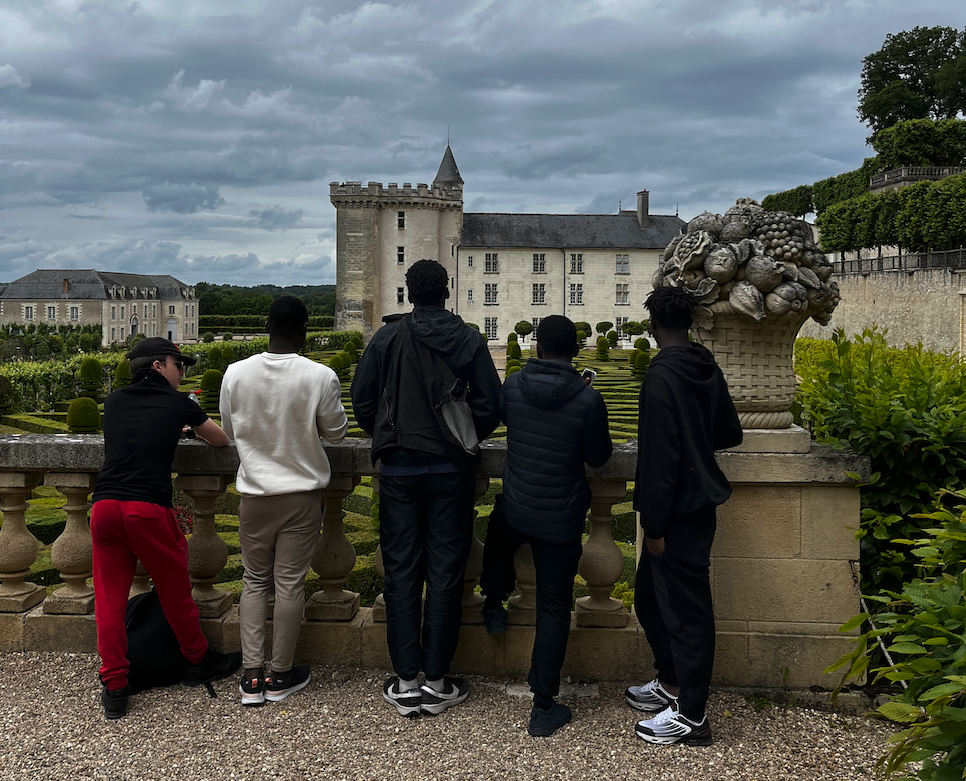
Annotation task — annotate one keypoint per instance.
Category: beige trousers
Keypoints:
(278, 537)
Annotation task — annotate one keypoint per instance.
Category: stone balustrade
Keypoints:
(780, 567)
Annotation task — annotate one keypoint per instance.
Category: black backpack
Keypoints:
(152, 647)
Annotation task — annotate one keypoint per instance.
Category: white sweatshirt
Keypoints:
(276, 406)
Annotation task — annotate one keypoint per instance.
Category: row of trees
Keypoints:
(256, 300)
(42, 342)
(927, 215)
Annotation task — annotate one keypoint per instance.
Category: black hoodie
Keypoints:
(555, 423)
(686, 414)
(413, 437)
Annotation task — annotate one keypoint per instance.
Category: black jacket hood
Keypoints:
(693, 365)
(549, 384)
(441, 331)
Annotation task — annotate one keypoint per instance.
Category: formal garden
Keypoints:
(903, 408)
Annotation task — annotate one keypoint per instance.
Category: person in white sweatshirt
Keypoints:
(276, 406)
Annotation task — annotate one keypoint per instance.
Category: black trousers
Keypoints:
(556, 566)
(672, 599)
(425, 529)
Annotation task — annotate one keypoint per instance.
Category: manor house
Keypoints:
(503, 268)
(122, 304)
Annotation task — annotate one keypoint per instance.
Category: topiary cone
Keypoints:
(83, 416)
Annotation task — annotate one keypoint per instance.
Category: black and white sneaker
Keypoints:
(650, 698)
(435, 702)
(669, 727)
(252, 690)
(278, 686)
(407, 702)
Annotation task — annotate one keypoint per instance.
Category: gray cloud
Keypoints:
(179, 121)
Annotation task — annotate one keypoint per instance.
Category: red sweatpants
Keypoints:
(122, 533)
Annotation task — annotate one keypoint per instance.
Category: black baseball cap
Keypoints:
(157, 345)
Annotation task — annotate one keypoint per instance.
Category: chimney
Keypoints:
(642, 208)
(66, 284)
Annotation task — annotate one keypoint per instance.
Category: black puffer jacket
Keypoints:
(555, 424)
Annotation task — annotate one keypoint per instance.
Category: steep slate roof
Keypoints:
(557, 231)
(85, 284)
(448, 172)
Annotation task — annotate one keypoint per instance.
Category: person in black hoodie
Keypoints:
(425, 491)
(685, 415)
(555, 424)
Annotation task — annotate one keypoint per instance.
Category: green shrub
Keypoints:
(474, 326)
(581, 338)
(83, 416)
(641, 365)
(604, 326)
(228, 354)
(924, 626)
(210, 390)
(632, 357)
(208, 337)
(122, 374)
(513, 350)
(216, 358)
(513, 362)
(91, 379)
(227, 336)
(512, 337)
(351, 351)
(512, 370)
(356, 339)
(906, 410)
(335, 363)
(612, 338)
(603, 349)
(642, 343)
(523, 328)
(88, 342)
(9, 397)
(346, 358)
(632, 328)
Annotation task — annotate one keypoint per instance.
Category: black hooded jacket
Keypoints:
(411, 436)
(686, 414)
(555, 423)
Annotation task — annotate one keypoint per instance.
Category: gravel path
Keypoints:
(52, 727)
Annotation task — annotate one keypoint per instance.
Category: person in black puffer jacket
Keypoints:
(555, 424)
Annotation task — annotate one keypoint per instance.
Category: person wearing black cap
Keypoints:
(132, 517)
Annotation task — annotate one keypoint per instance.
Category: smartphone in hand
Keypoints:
(588, 376)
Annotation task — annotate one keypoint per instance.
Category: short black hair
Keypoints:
(427, 282)
(557, 337)
(671, 307)
(287, 317)
(135, 365)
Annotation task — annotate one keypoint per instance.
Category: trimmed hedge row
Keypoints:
(219, 323)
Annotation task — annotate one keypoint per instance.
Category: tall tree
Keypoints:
(917, 74)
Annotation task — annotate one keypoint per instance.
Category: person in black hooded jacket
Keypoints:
(685, 415)
(425, 498)
(555, 424)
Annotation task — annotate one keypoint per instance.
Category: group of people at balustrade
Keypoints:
(426, 391)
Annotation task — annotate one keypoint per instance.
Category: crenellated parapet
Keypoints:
(374, 195)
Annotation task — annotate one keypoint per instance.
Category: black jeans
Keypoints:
(672, 599)
(425, 529)
(556, 565)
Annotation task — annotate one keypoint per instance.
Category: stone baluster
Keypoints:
(207, 552)
(473, 602)
(334, 558)
(602, 562)
(522, 607)
(142, 581)
(18, 547)
(71, 552)
(379, 604)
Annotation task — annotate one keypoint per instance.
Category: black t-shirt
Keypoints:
(142, 426)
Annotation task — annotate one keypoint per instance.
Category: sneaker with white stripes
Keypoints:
(650, 698)
(435, 701)
(669, 727)
(406, 701)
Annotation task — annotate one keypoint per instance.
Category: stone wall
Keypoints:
(922, 305)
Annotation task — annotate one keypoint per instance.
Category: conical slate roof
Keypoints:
(448, 173)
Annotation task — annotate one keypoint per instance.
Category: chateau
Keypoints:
(503, 268)
(122, 304)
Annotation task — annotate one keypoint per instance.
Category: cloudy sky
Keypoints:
(198, 137)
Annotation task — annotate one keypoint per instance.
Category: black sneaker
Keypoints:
(278, 686)
(670, 726)
(407, 701)
(544, 723)
(213, 667)
(252, 690)
(115, 702)
(495, 620)
(435, 702)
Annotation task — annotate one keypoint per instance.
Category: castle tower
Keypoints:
(381, 231)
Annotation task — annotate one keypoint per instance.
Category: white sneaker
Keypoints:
(650, 698)
(669, 727)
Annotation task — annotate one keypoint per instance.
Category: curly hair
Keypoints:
(557, 337)
(287, 317)
(427, 282)
(671, 307)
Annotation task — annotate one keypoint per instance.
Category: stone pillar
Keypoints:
(334, 558)
(18, 547)
(473, 602)
(71, 552)
(207, 552)
(602, 561)
(522, 607)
